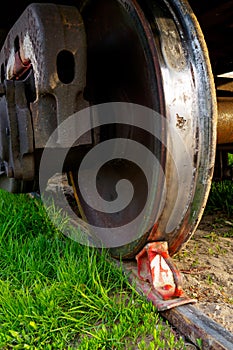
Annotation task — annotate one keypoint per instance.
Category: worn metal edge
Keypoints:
(194, 324)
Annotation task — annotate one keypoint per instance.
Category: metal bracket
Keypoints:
(43, 77)
(50, 40)
(16, 143)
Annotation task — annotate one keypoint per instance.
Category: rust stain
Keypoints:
(225, 120)
(180, 121)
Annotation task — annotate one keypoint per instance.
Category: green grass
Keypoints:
(58, 294)
(220, 206)
(230, 159)
(221, 198)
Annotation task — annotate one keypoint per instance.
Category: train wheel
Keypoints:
(153, 54)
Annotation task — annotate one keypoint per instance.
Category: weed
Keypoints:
(221, 197)
(212, 236)
(199, 343)
(209, 279)
(230, 159)
(228, 233)
(195, 262)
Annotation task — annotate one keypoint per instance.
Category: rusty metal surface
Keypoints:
(194, 325)
(119, 44)
(145, 288)
(156, 267)
(16, 144)
(225, 120)
(182, 314)
(43, 76)
(224, 85)
(186, 97)
(52, 38)
(191, 106)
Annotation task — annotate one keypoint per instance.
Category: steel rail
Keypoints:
(192, 323)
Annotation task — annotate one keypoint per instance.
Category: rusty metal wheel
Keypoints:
(152, 53)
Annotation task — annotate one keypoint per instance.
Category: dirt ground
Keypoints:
(207, 268)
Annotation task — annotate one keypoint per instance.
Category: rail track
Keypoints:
(187, 319)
